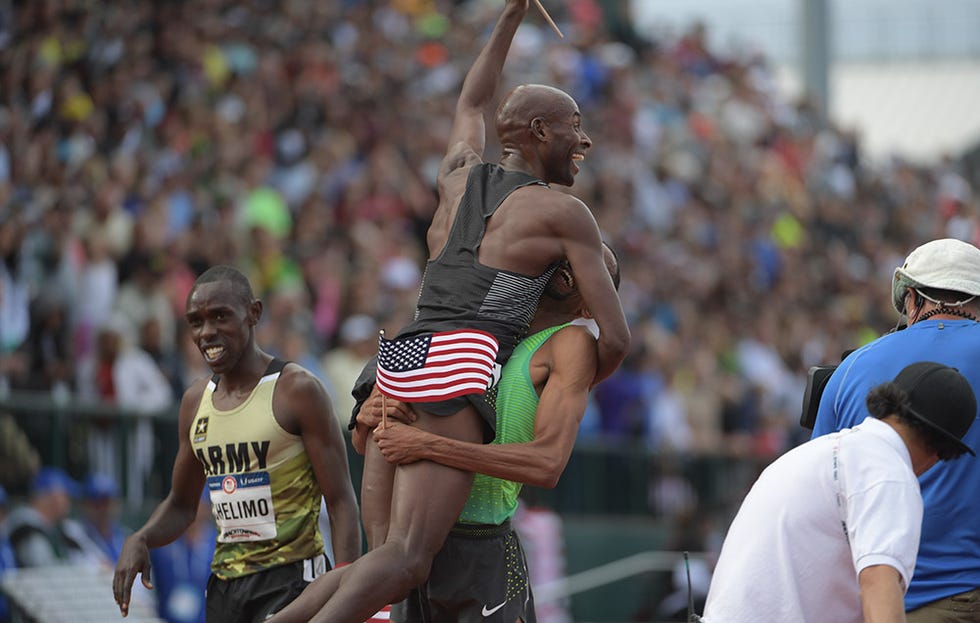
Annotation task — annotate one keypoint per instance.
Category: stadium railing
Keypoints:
(602, 477)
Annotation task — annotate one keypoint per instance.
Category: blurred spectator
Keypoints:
(99, 283)
(101, 534)
(14, 302)
(122, 375)
(19, 460)
(181, 569)
(626, 399)
(48, 348)
(670, 493)
(167, 357)
(752, 228)
(7, 561)
(540, 529)
(142, 297)
(35, 529)
(107, 220)
(358, 342)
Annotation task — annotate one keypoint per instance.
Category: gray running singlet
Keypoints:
(458, 292)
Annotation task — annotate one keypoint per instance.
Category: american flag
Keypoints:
(436, 366)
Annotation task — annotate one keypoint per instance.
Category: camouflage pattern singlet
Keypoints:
(264, 495)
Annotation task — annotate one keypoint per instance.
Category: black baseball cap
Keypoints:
(941, 397)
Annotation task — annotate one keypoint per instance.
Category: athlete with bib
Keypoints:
(261, 437)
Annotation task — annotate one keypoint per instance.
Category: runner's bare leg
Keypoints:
(426, 501)
(377, 483)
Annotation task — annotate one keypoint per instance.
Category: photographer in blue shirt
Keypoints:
(937, 289)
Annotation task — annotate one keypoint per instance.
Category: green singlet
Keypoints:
(492, 500)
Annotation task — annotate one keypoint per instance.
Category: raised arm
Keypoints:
(172, 516)
(468, 135)
(323, 440)
(540, 462)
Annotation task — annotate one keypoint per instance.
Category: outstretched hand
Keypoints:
(401, 444)
(134, 559)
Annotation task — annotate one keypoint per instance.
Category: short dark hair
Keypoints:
(616, 273)
(890, 399)
(230, 274)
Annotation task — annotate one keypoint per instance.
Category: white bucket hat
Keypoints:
(945, 264)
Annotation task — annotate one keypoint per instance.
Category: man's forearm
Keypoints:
(166, 524)
(527, 463)
(482, 79)
(345, 531)
(882, 599)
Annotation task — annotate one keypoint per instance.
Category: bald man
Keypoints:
(497, 237)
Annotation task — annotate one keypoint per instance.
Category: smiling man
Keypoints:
(499, 233)
(260, 434)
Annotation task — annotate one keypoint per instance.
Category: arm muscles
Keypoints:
(482, 80)
(327, 452)
(172, 516)
(582, 246)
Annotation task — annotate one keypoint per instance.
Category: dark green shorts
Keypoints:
(480, 574)
(257, 596)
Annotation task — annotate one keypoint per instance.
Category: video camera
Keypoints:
(817, 376)
(816, 382)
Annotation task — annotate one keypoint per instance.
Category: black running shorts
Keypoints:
(254, 598)
(479, 575)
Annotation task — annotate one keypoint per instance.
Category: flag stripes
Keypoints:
(436, 366)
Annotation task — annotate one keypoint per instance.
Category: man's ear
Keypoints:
(538, 129)
(912, 305)
(254, 312)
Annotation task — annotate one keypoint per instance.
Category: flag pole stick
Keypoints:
(547, 18)
(384, 412)
(384, 399)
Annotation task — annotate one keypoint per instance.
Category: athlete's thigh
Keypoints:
(376, 491)
(427, 497)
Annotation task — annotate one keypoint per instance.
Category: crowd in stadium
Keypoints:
(142, 142)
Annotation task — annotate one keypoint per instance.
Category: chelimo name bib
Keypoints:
(242, 507)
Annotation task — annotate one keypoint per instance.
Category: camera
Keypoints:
(816, 382)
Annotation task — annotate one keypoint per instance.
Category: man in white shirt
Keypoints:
(830, 530)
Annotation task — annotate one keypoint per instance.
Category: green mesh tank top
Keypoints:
(492, 500)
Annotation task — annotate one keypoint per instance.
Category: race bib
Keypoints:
(242, 507)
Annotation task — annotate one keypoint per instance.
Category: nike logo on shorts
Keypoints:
(488, 611)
